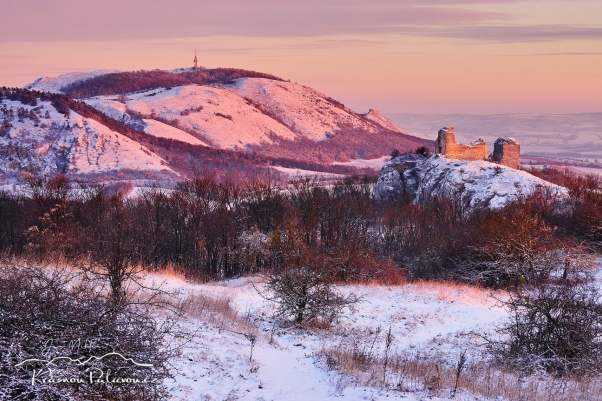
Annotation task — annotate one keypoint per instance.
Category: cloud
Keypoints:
(514, 33)
(75, 20)
(107, 20)
(558, 54)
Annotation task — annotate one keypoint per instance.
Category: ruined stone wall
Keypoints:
(506, 151)
(446, 145)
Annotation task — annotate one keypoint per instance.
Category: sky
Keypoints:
(398, 56)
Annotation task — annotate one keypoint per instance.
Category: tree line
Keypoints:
(216, 229)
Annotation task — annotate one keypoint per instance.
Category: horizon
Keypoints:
(479, 57)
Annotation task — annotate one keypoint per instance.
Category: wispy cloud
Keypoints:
(515, 33)
(75, 20)
(107, 20)
(558, 54)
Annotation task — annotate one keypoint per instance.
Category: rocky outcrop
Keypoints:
(374, 115)
(480, 184)
(400, 177)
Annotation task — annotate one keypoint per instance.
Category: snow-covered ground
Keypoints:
(377, 117)
(57, 144)
(293, 173)
(363, 163)
(55, 84)
(216, 365)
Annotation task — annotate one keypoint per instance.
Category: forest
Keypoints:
(214, 229)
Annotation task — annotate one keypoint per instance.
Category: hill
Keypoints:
(177, 122)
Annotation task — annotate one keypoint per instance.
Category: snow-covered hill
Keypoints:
(40, 140)
(479, 183)
(191, 120)
(249, 111)
(216, 115)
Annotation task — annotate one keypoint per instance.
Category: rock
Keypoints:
(399, 177)
(480, 184)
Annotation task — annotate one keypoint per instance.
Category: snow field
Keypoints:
(425, 317)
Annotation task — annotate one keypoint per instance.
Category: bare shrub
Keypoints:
(306, 293)
(555, 325)
(114, 251)
(423, 150)
(302, 286)
(48, 313)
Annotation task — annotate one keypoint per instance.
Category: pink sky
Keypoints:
(399, 56)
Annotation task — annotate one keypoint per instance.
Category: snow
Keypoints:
(159, 129)
(101, 149)
(72, 145)
(374, 115)
(119, 111)
(305, 110)
(252, 111)
(363, 163)
(54, 84)
(297, 173)
(422, 316)
(501, 141)
(479, 183)
(224, 119)
(484, 183)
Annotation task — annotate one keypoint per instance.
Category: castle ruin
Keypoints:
(446, 145)
(506, 151)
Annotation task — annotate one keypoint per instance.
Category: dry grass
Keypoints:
(437, 377)
(174, 271)
(452, 292)
(447, 291)
(218, 312)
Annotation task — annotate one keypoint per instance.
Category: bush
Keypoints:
(424, 151)
(513, 246)
(47, 314)
(555, 325)
(302, 287)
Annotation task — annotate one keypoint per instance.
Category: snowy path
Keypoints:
(216, 366)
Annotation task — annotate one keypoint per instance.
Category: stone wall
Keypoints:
(506, 151)
(446, 145)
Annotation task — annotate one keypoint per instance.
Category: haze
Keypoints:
(405, 56)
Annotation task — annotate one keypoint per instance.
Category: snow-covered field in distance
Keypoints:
(294, 173)
(375, 164)
(576, 136)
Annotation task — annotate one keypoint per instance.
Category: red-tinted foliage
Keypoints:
(135, 81)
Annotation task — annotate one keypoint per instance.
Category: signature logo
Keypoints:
(80, 362)
(93, 375)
